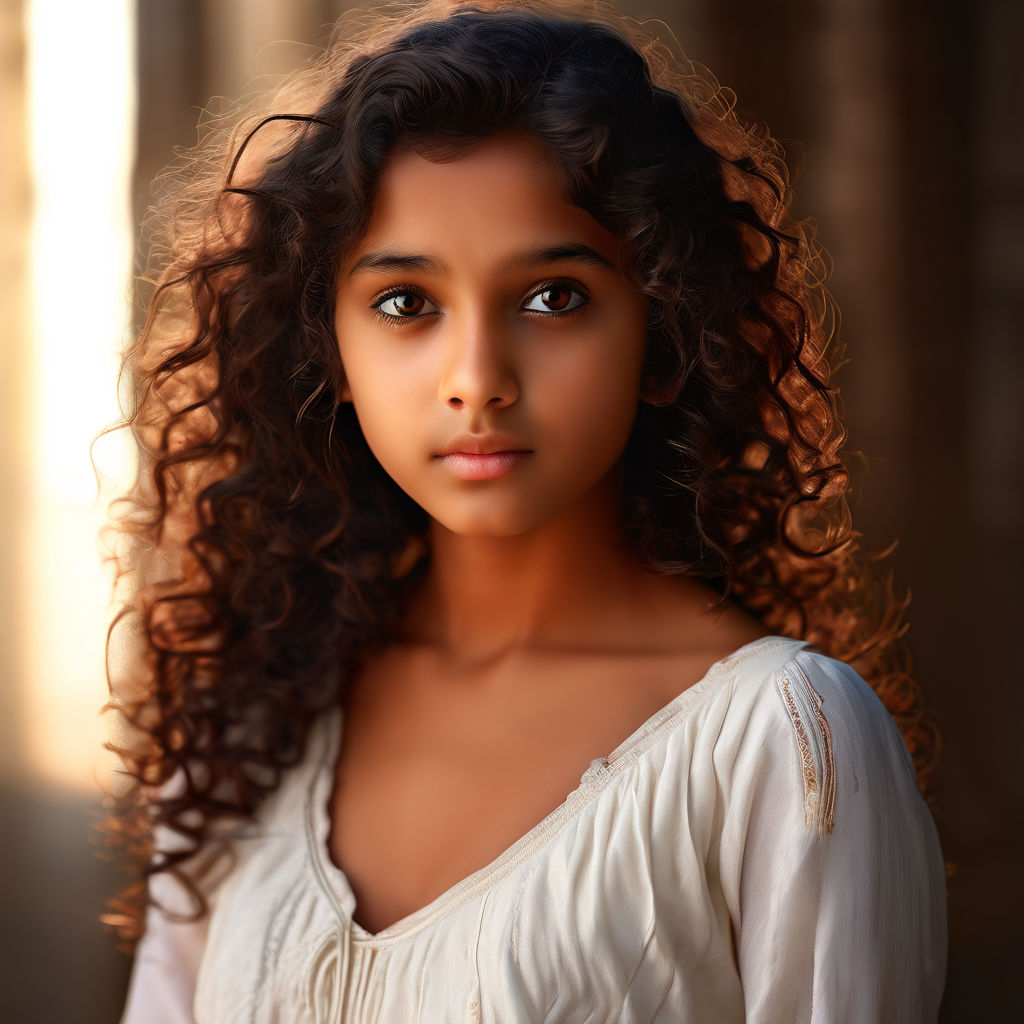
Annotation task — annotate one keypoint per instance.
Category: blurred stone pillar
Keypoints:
(978, 559)
(257, 40)
(856, 194)
(197, 55)
(15, 217)
(821, 73)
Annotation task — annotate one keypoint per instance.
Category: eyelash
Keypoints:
(389, 318)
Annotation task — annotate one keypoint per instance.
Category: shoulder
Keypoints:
(826, 849)
(805, 726)
(791, 686)
(764, 672)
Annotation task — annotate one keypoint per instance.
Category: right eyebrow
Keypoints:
(389, 259)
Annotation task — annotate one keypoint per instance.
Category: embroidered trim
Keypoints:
(814, 742)
(804, 745)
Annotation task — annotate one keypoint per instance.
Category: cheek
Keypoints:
(604, 383)
(390, 409)
(383, 420)
(588, 409)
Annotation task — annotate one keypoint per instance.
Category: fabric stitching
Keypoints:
(814, 745)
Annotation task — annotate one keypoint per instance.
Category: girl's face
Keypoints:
(483, 313)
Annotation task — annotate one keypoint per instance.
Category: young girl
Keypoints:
(505, 644)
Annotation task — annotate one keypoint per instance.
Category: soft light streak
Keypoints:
(82, 95)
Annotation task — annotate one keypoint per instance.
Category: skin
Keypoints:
(533, 613)
(483, 354)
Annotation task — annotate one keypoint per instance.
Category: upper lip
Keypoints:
(487, 444)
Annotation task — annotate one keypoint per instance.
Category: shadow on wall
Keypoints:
(57, 969)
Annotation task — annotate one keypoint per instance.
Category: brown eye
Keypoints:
(556, 298)
(401, 305)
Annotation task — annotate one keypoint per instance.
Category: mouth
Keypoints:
(483, 465)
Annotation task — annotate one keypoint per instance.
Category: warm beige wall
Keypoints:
(57, 966)
(15, 202)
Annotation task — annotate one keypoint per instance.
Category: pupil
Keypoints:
(556, 293)
(407, 303)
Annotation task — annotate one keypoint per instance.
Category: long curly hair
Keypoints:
(265, 551)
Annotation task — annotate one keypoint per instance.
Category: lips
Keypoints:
(483, 466)
(490, 444)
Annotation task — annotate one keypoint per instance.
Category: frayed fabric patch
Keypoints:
(814, 743)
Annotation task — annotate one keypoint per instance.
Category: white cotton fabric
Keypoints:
(757, 851)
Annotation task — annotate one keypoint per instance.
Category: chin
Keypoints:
(493, 522)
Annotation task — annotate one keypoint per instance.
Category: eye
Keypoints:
(557, 298)
(402, 304)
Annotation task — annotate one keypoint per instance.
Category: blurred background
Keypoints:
(903, 119)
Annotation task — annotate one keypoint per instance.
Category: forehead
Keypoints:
(502, 194)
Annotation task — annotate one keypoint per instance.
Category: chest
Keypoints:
(436, 778)
(619, 884)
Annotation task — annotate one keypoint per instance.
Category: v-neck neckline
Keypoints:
(594, 779)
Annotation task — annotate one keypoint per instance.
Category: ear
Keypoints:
(344, 393)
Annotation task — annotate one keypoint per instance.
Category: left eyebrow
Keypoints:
(567, 252)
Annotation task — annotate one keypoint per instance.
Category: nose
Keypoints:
(478, 370)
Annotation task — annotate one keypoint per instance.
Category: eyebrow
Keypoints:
(565, 252)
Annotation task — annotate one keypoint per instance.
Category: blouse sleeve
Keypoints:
(834, 880)
(163, 979)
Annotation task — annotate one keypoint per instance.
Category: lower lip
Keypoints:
(482, 467)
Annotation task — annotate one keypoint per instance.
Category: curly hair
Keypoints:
(265, 550)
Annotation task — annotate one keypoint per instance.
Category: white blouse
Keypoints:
(758, 850)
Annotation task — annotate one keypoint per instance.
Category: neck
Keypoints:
(553, 587)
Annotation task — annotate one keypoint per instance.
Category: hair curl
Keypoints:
(265, 548)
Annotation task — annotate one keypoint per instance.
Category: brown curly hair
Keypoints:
(265, 549)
